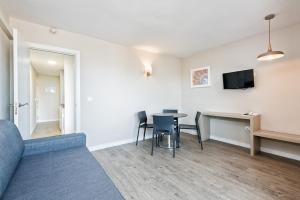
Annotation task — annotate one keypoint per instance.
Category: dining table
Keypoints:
(176, 116)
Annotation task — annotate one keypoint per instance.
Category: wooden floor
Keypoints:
(220, 171)
(46, 129)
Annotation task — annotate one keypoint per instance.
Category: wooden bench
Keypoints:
(256, 135)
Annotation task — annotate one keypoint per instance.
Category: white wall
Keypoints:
(4, 18)
(47, 95)
(276, 95)
(4, 75)
(113, 87)
(32, 104)
(69, 94)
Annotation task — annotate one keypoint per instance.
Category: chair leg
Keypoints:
(178, 139)
(174, 143)
(152, 144)
(144, 134)
(198, 135)
(137, 137)
(200, 139)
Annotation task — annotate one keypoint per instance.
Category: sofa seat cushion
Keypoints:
(68, 174)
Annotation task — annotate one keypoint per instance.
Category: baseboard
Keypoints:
(263, 149)
(192, 132)
(47, 120)
(280, 153)
(229, 141)
(225, 140)
(113, 144)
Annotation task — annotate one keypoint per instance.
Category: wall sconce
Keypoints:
(148, 70)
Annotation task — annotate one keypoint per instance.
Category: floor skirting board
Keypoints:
(117, 143)
(263, 149)
(225, 140)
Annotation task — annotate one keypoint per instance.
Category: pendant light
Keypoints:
(270, 54)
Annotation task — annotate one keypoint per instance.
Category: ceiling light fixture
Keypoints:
(52, 62)
(52, 30)
(270, 54)
(148, 70)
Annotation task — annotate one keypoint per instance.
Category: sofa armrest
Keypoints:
(55, 143)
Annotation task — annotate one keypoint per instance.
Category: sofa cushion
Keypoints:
(11, 150)
(67, 174)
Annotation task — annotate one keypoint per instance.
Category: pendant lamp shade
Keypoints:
(270, 54)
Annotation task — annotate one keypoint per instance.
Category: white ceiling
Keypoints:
(39, 61)
(176, 27)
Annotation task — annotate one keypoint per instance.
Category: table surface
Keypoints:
(175, 115)
(229, 115)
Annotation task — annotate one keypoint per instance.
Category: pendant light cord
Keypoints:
(270, 47)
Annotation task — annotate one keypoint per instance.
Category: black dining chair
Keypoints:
(142, 117)
(170, 111)
(193, 127)
(175, 119)
(163, 124)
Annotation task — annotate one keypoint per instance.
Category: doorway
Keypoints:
(46, 89)
(52, 93)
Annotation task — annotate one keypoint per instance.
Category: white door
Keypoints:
(21, 85)
(69, 94)
(62, 103)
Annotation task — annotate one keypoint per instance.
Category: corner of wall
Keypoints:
(4, 24)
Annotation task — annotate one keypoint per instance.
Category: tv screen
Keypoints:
(239, 79)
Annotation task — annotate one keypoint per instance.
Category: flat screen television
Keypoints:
(239, 79)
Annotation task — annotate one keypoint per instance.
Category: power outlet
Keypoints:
(247, 128)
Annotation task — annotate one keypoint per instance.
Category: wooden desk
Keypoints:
(254, 124)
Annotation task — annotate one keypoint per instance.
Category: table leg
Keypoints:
(178, 134)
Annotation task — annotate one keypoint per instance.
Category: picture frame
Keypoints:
(200, 77)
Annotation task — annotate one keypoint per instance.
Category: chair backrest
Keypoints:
(142, 116)
(197, 118)
(170, 111)
(163, 124)
(11, 150)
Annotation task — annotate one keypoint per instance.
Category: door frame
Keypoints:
(15, 80)
(76, 54)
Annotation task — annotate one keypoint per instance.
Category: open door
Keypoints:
(62, 102)
(21, 85)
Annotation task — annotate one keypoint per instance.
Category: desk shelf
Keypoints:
(287, 137)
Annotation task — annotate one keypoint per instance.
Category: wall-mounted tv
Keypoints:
(239, 79)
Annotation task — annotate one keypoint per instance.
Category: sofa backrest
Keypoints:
(11, 150)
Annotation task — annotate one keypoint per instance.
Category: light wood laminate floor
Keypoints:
(220, 171)
(46, 129)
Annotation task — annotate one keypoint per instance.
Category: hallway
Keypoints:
(46, 129)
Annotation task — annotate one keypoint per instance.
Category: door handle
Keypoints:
(23, 104)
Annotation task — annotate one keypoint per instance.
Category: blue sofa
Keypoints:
(53, 168)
